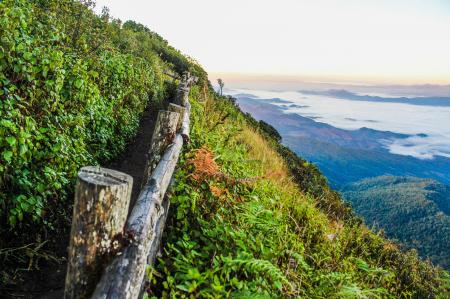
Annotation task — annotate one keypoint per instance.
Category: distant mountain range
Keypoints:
(344, 156)
(404, 195)
(348, 95)
(412, 210)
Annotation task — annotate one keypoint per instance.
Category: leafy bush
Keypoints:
(73, 86)
(270, 130)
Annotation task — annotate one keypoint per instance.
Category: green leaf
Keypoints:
(31, 200)
(94, 74)
(23, 149)
(183, 287)
(11, 140)
(7, 124)
(27, 56)
(57, 148)
(7, 155)
(40, 188)
(24, 206)
(78, 83)
(12, 220)
(20, 215)
(278, 285)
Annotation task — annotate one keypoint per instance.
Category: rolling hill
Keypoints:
(411, 210)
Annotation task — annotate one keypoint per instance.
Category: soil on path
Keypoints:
(134, 159)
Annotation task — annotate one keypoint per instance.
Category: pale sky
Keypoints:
(401, 41)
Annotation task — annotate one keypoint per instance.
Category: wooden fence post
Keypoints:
(186, 123)
(102, 198)
(123, 278)
(182, 97)
(163, 136)
(181, 110)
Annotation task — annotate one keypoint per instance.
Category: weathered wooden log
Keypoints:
(179, 109)
(163, 135)
(102, 197)
(186, 123)
(182, 95)
(124, 276)
(185, 96)
(159, 229)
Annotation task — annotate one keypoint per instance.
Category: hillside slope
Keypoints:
(412, 210)
(244, 223)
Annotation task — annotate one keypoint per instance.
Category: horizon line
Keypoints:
(331, 79)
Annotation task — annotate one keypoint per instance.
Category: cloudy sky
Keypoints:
(401, 41)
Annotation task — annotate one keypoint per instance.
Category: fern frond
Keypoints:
(262, 268)
(352, 291)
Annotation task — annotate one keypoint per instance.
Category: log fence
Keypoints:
(108, 252)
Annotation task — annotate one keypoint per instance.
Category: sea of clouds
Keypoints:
(428, 126)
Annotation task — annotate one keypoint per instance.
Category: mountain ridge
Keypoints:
(348, 95)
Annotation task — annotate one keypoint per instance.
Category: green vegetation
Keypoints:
(268, 129)
(73, 86)
(413, 211)
(307, 176)
(243, 225)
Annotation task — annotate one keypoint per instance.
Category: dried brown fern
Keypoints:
(206, 168)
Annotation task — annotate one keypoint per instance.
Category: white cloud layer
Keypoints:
(434, 122)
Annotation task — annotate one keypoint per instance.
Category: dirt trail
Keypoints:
(134, 159)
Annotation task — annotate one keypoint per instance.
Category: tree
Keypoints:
(221, 84)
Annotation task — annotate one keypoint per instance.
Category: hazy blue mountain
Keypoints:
(348, 95)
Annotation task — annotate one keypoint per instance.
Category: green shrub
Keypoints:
(73, 86)
(270, 130)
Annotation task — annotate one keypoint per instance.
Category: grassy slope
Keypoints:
(240, 226)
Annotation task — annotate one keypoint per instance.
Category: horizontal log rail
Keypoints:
(108, 257)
